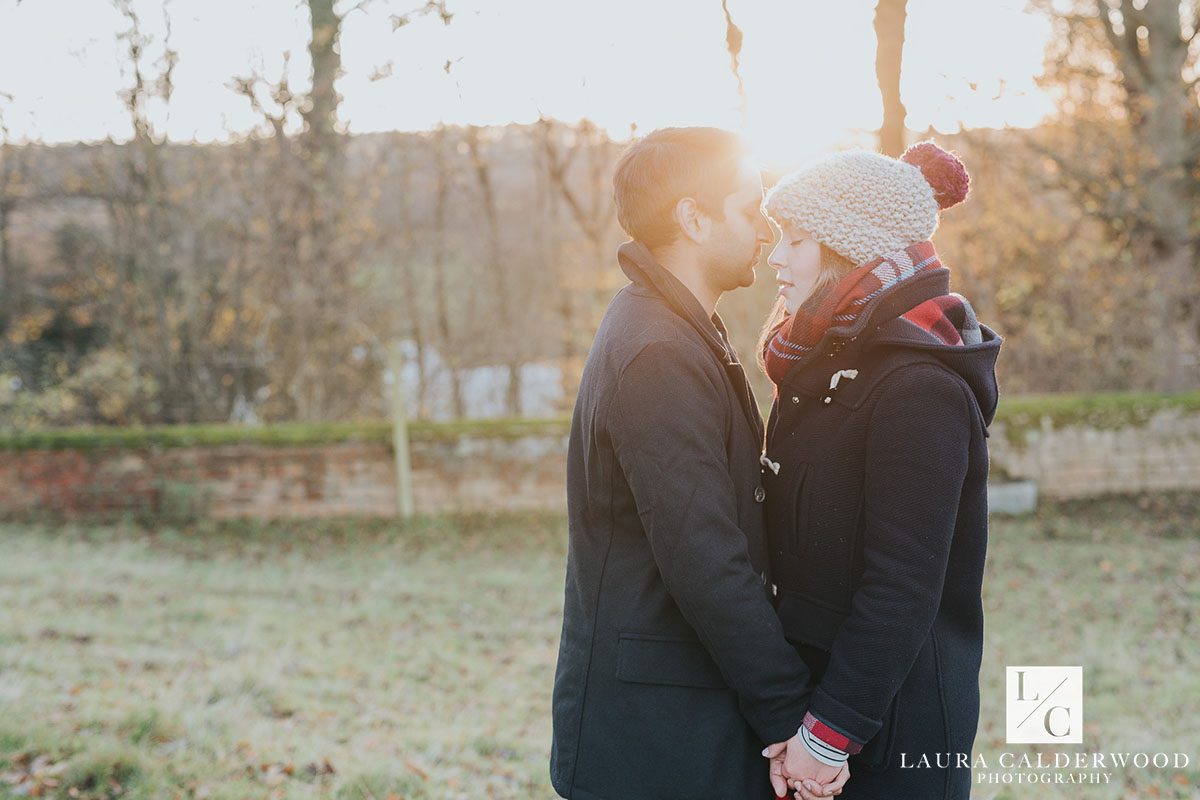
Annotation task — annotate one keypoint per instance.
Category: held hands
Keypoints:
(793, 766)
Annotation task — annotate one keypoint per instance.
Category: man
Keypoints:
(673, 671)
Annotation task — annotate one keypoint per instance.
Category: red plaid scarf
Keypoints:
(799, 333)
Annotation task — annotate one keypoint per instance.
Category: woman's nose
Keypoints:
(775, 259)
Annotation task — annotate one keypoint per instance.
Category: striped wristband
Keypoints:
(822, 752)
(832, 739)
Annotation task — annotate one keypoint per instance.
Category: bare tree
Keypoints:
(499, 267)
(449, 351)
(10, 190)
(312, 325)
(410, 294)
(1127, 72)
(146, 218)
(578, 163)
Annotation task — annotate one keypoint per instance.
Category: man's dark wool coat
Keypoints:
(878, 526)
(673, 671)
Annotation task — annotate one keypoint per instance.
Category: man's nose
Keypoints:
(765, 234)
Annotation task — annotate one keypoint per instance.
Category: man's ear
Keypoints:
(693, 222)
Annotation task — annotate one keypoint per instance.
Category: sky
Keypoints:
(808, 66)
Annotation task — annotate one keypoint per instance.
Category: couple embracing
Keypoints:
(755, 611)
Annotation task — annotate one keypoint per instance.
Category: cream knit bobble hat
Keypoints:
(864, 205)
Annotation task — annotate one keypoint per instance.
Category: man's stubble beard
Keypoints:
(749, 274)
(742, 277)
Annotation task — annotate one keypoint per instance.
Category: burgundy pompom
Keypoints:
(944, 172)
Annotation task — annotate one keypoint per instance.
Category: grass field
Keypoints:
(368, 660)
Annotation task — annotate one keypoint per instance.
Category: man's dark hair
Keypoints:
(657, 171)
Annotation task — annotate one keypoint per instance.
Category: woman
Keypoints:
(876, 469)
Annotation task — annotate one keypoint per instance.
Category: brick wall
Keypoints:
(478, 472)
(281, 481)
(1081, 461)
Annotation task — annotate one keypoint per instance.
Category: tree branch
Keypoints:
(557, 168)
(431, 6)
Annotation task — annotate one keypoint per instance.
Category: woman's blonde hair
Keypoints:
(834, 267)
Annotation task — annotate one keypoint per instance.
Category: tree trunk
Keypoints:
(513, 396)
(7, 285)
(889, 33)
(499, 265)
(1160, 103)
(320, 115)
(445, 330)
(1178, 351)
(409, 290)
